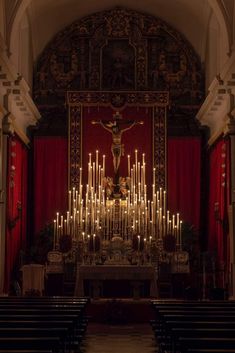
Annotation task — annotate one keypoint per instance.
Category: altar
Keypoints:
(115, 228)
(96, 276)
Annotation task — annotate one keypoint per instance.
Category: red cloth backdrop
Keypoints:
(219, 186)
(16, 221)
(50, 179)
(184, 177)
(95, 137)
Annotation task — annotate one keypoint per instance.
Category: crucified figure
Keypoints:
(114, 127)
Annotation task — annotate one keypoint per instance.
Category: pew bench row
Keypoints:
(190, 327)
(41, 325)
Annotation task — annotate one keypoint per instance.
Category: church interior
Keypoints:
(117, 176)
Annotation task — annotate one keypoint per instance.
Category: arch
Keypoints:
(216, 5)
(15, 20)
(220, 13)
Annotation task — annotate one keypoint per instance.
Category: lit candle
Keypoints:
(173, 222)
(93, 180)
(94, 235)
(103, 165)
(138, 169)
(164, 225)
(73, 196)
(80, 177)
(178, 227)
(62, 224)
(160, 197)
(170, 225)
(143, 158)
(164, 202)
(54, 238)
(134, 178)
(68, 216)
(99, 177)
(144, 173)
(136, 165)
(57, 225)
(181, 235)
(96, 166)
(69, 201)
(129, 165)
(154, 176)
(144, 242)
(167, 221)
(138, 242)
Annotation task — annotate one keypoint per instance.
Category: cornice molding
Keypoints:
(17, 99)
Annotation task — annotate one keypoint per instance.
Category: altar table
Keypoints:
(97, 274)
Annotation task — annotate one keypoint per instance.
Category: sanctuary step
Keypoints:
(120, 311)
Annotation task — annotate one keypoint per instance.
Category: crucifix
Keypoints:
(117, 127)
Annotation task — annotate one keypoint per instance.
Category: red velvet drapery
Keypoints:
(184, 177)
(50, 179)
(139, 137)
(50, 164)
(219, 157)
(16, 221)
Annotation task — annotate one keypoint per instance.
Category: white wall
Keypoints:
(212, 50)
(21, 54)
(2, 18)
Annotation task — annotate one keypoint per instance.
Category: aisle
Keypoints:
(137, 338)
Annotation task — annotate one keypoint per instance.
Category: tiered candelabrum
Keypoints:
(101, 212)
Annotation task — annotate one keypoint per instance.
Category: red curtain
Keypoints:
(139, 137)
(184, 177)
(16, 205)
(219, 157)
(50, 179)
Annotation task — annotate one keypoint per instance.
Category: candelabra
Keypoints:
(102, 211)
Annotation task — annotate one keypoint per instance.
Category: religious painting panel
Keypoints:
(118, 65)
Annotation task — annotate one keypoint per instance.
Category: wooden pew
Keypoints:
(29, 320)
(183, 323)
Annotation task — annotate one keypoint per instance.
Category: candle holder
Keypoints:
(108, 209)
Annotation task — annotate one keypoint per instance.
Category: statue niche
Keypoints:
(118, 65)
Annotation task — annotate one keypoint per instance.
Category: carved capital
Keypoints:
(7, 124)
(230, 125)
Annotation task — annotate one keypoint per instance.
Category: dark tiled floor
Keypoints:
(136, 338)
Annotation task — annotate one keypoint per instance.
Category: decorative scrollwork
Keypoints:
(13, 221)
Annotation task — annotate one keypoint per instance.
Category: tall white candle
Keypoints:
(154, 176)
(54, 235)
(69, 201)
(57, 225)
(129, 165)
(164, 202)
(138, 242)
(104, 165)
(80, 177)
(96, 167)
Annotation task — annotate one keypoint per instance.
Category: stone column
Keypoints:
(6, 129)
(232, 219)
(3, 170)
(230, 130)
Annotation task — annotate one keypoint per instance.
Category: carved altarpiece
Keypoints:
(118, 58)
(119, 50)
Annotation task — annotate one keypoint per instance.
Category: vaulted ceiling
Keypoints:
(47, 17)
